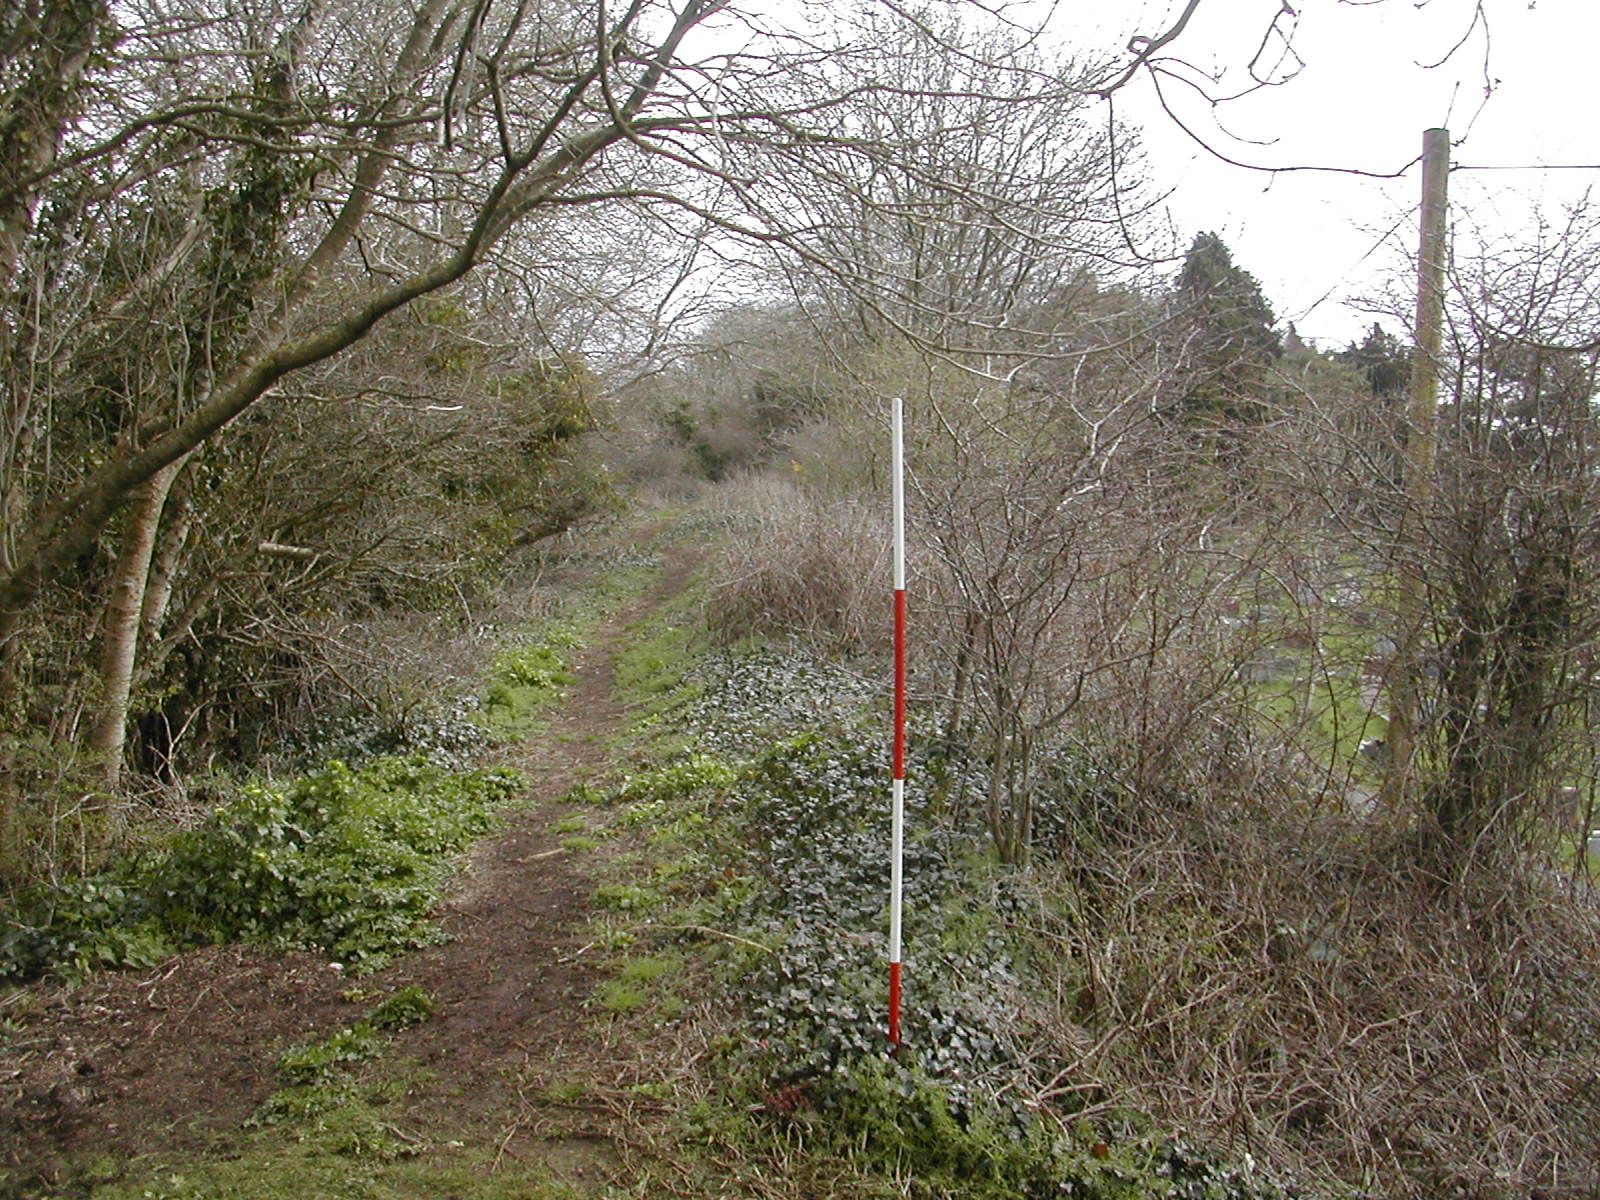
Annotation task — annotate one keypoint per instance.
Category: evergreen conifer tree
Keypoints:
(1226, 324)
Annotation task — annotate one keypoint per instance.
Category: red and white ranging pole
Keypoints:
(897, 827)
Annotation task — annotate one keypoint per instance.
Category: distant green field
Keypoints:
(1308, 682)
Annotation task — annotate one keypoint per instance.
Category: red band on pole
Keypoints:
(900, 684)
(894, 1005)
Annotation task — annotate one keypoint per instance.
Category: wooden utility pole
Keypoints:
(1405, 675)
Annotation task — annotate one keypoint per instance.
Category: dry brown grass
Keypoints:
(799, 566)
(1282, 985)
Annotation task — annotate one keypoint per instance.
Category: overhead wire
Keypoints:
(1525, 167)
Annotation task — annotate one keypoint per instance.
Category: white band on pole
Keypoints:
(899, 469)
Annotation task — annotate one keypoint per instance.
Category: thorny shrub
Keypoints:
(1282, 982)
(1224, 941)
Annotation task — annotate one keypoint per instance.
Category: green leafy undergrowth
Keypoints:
(346, 860)
(357, 1144)
(98, 921)
(752, 696)
(315, 1073)
(450, 732)
(528, 679)
(899, 1125)
(320, 1061)
(800, 830)
(664, 814)
(643, 981)
(677, 781)
(627, 897)
(654, 670)
(816, 839)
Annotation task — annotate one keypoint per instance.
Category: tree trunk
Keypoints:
(37, 110)
(168, 553)
(34, 113)
(119, 649)
(966, 650)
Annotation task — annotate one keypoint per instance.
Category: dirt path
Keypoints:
(511, 981)
(164, 1061)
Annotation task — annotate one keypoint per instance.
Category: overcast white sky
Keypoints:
(1361, 101)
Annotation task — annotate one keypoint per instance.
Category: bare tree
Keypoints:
(242, 193)
(1083, 566)
(972, 191)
